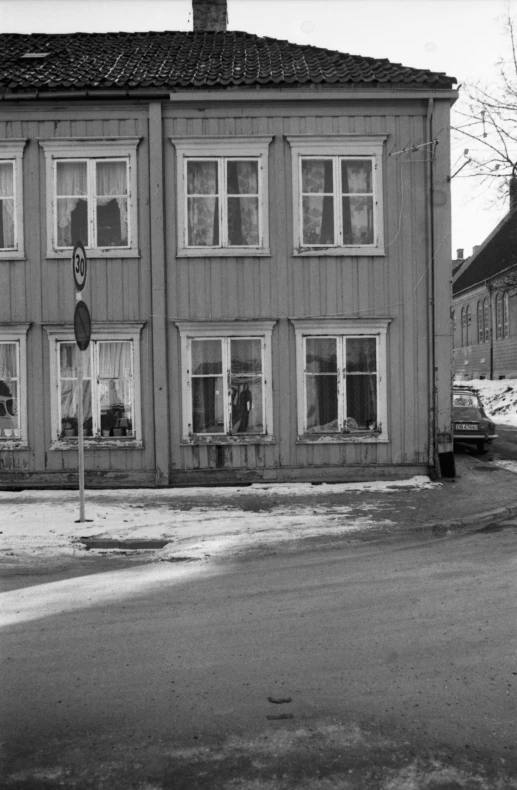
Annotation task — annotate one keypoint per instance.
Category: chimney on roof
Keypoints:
(475, 248)
(209, 15)
(513, 193)
(459, 254)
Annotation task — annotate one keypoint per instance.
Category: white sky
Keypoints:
(464, 38)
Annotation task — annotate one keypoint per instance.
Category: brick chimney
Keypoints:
(513, 193)
(459, 254)
(210, 15)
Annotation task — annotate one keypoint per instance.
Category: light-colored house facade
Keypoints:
(484, 311)
(267, 279)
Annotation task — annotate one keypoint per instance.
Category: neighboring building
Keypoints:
(268, 288)
(484, 311)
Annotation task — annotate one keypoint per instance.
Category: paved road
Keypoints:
(399, 661)
(506, 445)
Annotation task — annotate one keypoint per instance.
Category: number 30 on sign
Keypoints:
(79, 266)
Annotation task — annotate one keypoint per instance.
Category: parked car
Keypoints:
(471, 424)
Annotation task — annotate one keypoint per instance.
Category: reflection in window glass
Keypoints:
(9, 391)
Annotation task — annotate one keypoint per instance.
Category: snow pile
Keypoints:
(499, 398)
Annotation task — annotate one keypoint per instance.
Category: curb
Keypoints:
(485, 518)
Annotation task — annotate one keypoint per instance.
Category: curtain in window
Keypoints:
(6, 205)
(202, 204)
(208, 387)
(68, 359)
(246, 386)
(357, 201)
(243, 224)
(321, 381)
(9, 390)
(72, 203)
(361, 383)
(115, 387)
(317, 201)
(112, 204)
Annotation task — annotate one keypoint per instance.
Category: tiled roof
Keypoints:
(497, 253)
(175, 60)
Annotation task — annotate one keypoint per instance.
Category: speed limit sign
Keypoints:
(79, 266)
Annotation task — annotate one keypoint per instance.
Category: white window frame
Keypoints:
(17, 333)
(12, 151)
(92, 149)
(345, 327)
(103, 331)
(222, 149)
(336, 148)
(225, 330)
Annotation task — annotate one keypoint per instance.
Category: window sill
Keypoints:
(226, 252)
(12, 255)
(91, 443)
(214, 439)
(351, 438)
(16, 444)
(94, 253)
(347, 252)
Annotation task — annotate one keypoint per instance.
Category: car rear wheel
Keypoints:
(481, 446)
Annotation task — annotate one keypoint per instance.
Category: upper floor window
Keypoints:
(481, 328)
(453, 316)
(486, 319)
(469, 324)
(499, 323)
(13, 384)
(91, 194)
(222, 196)
(463, 327)
(337, 188)
(506, 318)
(11, 199)
(227, 381)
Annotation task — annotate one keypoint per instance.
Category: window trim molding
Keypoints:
(370, 146)
(189, 330)
(11, 332)
(349, 327)
(102, 330)
(12, 150)
(256, 147)
(92, 148)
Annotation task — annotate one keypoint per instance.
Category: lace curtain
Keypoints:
(6, 205)
(112, 228)
(8, 389)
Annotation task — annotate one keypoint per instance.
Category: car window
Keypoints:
(465, 399)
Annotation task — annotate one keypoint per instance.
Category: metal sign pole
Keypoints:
(80, 435)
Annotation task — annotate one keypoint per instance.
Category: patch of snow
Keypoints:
(499, 398)
(510, 466)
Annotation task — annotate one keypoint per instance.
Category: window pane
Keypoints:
(9, 391)
(71, 178)
(72, 221)
(6, 223)
(111, 178)
(69, 407)
(242, 178)
(318, 220)
(206, 357)
(361, 355)
(68, 359)
(207, 405)
(6, 179)
(246, 356)
(243, 223)
(361, 400)
(247, 404)
(112, 222)
(203, 222)
(116, 388)
(356, 176)
(202, 178)
(357, 220)
(317, 176)
(322, 407)
(321, 355)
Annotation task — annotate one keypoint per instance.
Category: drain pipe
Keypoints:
(430, 306)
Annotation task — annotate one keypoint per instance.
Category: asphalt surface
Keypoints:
(390, 666)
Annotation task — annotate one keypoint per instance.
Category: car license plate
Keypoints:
(466, 426)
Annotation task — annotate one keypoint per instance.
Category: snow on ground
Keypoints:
(44, 522)
(499, 398)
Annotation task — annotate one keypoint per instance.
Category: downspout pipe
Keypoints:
(430, 307)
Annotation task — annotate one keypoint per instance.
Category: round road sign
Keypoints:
(82, 326)
(79, 266)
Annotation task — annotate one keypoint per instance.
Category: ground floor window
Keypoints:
(13, 385)
(342, 378)
(110, 389)
(226, 371)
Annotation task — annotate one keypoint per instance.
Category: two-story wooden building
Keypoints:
(267, 228)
